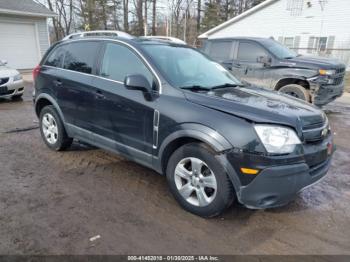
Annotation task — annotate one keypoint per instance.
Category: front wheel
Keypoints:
(198, 181)
(296, 91)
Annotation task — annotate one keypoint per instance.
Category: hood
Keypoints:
(7, 72)
(260, 106)
(314, 62)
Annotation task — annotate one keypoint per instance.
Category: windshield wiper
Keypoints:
(224, 86)
(195, 88)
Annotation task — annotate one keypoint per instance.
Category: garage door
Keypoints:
(18, 45)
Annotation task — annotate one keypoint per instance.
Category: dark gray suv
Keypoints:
(155, 103)
(267, 63)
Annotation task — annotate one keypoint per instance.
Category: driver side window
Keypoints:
(119, 61)
(249, 52)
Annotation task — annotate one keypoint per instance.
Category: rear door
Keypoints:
(75, 92)
(222, 52)
(246, 65)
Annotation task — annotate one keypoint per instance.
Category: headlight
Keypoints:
(324, 72)
(277, 139)
(17, 77)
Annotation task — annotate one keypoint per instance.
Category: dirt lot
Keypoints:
(53, 203)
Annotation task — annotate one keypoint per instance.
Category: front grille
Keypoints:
(4, 80)
(313, 125)
(315, 159)
(340, 70)
(315, 132)
(4, 91)
(339, 75)
(338, 80)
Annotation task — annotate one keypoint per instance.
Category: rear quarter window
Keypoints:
(80, 56)
(55, 58)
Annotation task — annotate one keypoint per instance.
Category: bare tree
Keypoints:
(154, 16)
(62, 24)
(126, 15)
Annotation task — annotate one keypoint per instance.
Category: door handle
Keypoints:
(57, 83)
(100, 95)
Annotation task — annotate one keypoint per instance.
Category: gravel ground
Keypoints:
(54, 202)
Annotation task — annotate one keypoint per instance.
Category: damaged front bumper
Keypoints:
(324, 90)
(281, 177)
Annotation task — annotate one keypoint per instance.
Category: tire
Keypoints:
(52, 129)
(215, 200)
(296, 91)
(17, 97)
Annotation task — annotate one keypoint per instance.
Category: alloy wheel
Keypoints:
(50, 129)
(195, 181)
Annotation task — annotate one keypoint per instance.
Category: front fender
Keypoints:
(196, 131)
(200, 132)
(208, 136)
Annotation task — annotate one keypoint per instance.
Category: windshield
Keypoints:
(279, 50)
(185, 67)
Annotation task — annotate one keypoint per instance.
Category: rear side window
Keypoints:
(119, 61)
(221, 50)
(56, 57)
(80, 56)
(250, 52)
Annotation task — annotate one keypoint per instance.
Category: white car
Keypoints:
(11, 82)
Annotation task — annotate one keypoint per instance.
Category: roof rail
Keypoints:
(98, 33)
(164, 38)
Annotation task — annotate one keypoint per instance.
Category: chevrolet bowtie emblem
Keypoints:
(324, 132)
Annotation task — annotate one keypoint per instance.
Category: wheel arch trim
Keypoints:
(195, 131)
(199, 132)
(52, 101)
(289, 77)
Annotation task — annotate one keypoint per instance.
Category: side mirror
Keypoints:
(137, 82)
(264, 60)
(4, 62)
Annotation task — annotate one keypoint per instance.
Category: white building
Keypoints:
(24, 36)
(310, 26)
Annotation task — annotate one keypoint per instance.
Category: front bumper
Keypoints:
(280, 178)
(13, 88)
(323, 93)
(276, 186)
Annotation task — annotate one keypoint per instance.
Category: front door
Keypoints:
(246, 65)
(123, 118)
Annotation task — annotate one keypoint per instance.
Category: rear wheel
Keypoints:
(52, 129)
(297, 91)
(198, 181)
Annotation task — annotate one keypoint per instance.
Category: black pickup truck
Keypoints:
(267, 63)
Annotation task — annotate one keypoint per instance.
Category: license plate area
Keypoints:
(3, 90)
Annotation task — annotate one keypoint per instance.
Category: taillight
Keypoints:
(36, 71)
